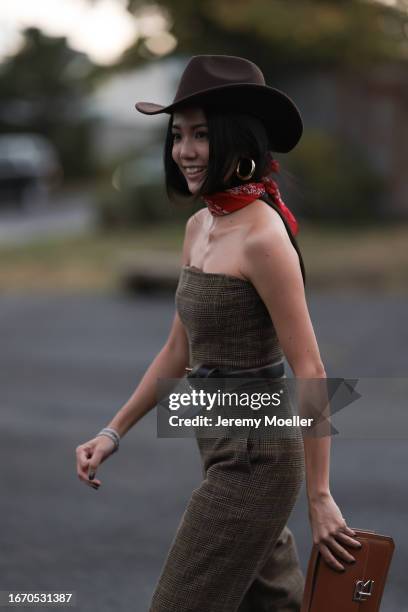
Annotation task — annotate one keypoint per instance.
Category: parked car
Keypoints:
(29, 169)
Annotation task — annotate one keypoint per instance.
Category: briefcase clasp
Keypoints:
(363, 590)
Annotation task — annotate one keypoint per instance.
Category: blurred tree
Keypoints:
(42, 88)
(292, 38)
(285, 34)
(333, 182)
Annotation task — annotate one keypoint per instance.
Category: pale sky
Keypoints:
(103, 30)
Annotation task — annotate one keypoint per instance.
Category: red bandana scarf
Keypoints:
(230, 200)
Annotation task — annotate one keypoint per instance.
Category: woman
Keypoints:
(240, 307)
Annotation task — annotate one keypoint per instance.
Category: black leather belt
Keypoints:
(276, 370)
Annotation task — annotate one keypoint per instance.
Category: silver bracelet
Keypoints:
(112, 434)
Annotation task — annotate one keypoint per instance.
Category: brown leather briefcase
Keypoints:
(360, 587)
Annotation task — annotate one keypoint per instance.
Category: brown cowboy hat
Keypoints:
(235, 83)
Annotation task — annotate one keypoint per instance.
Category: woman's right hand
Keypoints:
(90, 455)
(331, 532)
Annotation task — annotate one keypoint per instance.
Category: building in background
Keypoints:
(121, 129)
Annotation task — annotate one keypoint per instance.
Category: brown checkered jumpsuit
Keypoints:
(232, 551)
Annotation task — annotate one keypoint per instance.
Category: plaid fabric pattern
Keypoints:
(227, 323)
(232, 551)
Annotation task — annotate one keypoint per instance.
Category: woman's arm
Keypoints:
(271, 263)
(170, 362)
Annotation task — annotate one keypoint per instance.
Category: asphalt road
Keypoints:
(69, 362)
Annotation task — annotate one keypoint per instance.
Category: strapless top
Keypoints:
(227, 323)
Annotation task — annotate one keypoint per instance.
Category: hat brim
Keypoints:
(277, 111)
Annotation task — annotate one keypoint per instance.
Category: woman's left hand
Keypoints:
(330, 531)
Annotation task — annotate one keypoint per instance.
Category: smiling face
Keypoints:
(190, 148)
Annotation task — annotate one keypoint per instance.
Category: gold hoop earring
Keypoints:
(246, 176)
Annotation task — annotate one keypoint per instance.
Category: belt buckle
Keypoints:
(200, 371)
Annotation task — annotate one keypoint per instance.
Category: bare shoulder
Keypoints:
(193, 227)
(266, 230)
(267, 245)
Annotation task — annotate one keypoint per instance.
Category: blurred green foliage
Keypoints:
(334, 181)
(42, 90)
(285, 35)
(324, 179)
